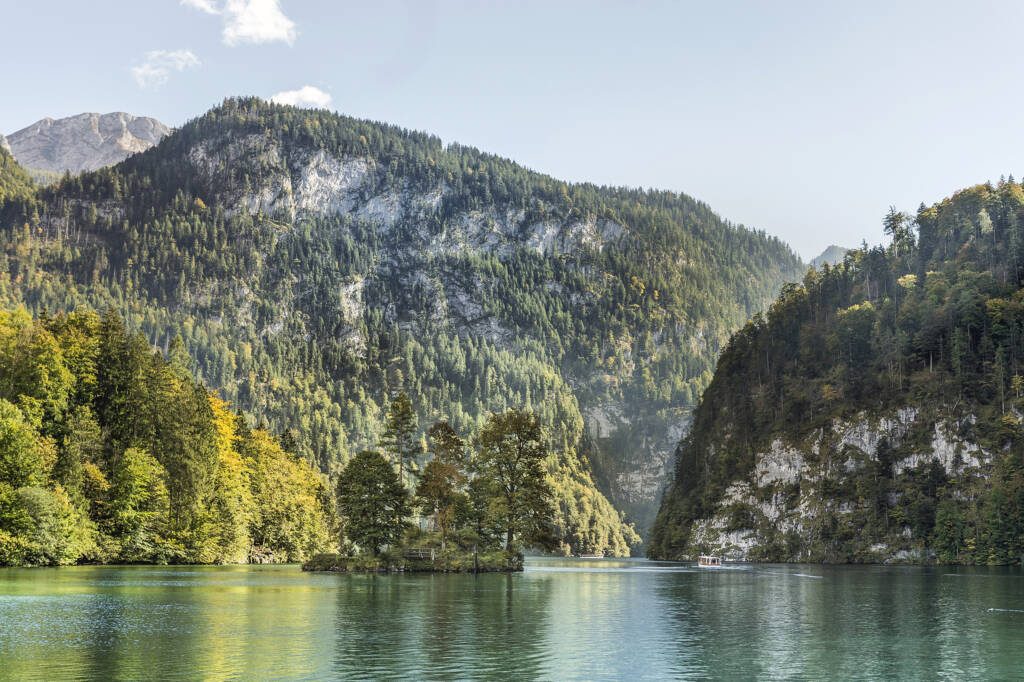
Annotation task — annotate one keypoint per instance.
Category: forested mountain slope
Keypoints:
(315, 264)
(16, 186)
(875, 413)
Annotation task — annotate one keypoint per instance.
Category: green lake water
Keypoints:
(560, 619)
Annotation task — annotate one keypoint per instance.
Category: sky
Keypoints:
(804, 119)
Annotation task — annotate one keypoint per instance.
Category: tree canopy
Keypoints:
(110, 451)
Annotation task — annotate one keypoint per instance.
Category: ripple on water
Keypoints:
(560, 619)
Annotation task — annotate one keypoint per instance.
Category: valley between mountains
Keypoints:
(314, 265)
(309, 268)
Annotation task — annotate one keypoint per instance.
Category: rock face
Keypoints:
(800, 490)
(84, 142)
(631, 441)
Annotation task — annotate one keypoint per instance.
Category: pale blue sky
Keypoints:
(806, 119)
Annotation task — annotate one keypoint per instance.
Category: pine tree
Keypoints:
(400, 439)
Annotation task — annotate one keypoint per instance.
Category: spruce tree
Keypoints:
(372, 501)
(400, 439)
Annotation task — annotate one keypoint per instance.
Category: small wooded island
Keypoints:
(476, 513)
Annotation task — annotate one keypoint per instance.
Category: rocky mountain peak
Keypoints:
(84, 142)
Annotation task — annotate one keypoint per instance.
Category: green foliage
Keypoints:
(48, 528)
(513, 454)
(934, 322)
(439, 494)
(16, 186)
(22, 459)
(139, 508)
(293, 513)
(401, 435)
(372, 501)
(110, 452)
(499, 498)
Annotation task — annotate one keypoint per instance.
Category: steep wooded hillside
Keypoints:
(874, 414)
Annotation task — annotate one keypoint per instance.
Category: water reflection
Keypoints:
(779, 622)
(439, 626)
(561, 619)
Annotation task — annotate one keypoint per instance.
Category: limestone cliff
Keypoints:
(84, 142)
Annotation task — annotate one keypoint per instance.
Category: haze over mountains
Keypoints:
(84, 142)
(830, 256)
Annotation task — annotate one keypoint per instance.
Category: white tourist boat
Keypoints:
(709, 561)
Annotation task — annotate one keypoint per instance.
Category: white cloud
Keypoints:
(249, 21)
(306, 96)
(257, 21)
(159, 64)
(202, 5)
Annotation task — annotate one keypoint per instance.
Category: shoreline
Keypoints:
(493, 562)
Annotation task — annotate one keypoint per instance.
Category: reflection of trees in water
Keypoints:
(275, 622)
(47, 625)
(681, 601)
(491, 625)
(142, 621)
(856, 622)
(742, 622)
(900, 622)
(188, 622)
(108, 622)
(371, 619)
(510, 615)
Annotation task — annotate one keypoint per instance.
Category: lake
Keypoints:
(560, 619)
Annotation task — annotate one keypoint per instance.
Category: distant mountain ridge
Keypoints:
(84, 142)
(831, 256)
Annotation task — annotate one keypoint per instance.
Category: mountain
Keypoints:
(875, 413)
(84, 142)
(830, 256)
(315, 264)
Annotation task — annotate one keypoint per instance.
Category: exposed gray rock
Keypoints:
(811, 466)
(636, 440)
(84, 142)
